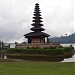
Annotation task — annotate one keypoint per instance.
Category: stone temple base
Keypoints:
(39, 45)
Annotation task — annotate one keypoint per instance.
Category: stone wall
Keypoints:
(37, 40)
(38, 45)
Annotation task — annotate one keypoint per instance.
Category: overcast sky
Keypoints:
(16, 18)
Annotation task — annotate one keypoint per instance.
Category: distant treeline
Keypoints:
(63, 39)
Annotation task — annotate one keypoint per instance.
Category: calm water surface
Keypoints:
(72, 59)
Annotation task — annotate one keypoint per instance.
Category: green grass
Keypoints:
(36, 68)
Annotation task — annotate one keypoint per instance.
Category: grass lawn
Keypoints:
(37, 68)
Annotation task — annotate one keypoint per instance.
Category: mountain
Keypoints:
(63, 39)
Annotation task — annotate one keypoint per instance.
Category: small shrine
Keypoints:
(37, 35)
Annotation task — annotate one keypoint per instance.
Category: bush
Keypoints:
(57, 53)
(48, 51)
(67, 49)
(2, 51)
(36, 57)
(68, 52)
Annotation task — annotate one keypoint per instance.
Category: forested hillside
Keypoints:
(63, 39)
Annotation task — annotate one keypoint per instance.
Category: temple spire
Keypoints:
(37, 36)
(37, 20)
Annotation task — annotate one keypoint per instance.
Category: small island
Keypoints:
(38, 47)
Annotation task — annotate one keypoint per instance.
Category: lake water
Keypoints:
(72, 59)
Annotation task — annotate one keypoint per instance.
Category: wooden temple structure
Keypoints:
(37, 35)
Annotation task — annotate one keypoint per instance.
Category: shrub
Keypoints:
(48, 51)
(40, 53)
(67, 49)
(2, 51)
(68, 52)
(36, 57)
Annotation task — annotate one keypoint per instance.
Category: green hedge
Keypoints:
(36, 51)
(2, 51)
(38, 54)
(68, 49)
(36, 57)
(68, 52)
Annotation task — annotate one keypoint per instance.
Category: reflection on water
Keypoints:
(69, 59)
(68, 45)
(72, 59)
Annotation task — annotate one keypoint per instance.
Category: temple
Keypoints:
(37, 38)
(37, 35)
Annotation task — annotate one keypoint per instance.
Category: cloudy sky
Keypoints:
(16, 18)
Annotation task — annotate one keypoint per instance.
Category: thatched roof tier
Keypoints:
(37, 34)
(37, 29)
(36, 24)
